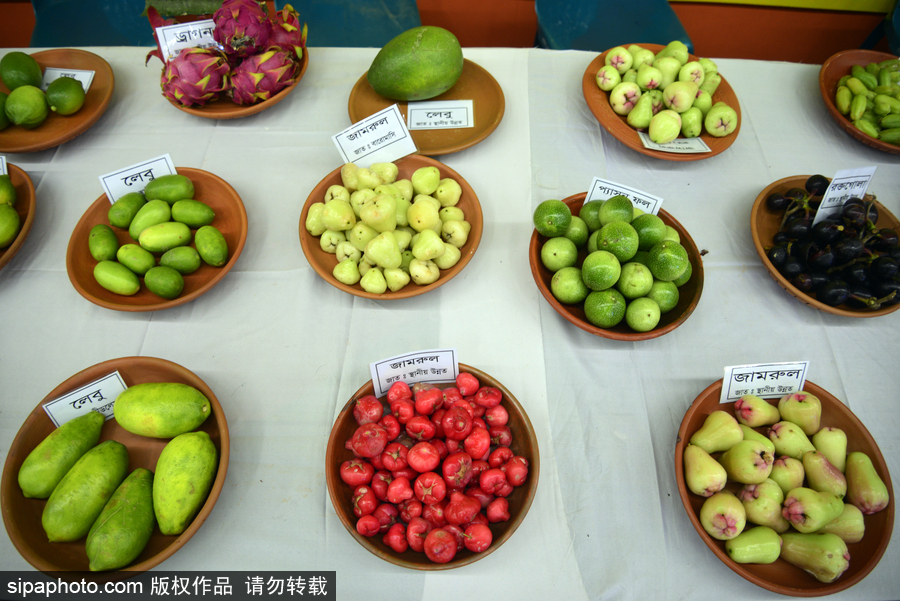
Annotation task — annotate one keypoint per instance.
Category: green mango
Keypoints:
(418, 64)
(123, 528)
(102, 243)
(170, 188)
(123, 210)
(161, 409)
(185, 472)
(192, 213)
(211, 245)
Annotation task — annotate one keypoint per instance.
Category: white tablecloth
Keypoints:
(283, 350)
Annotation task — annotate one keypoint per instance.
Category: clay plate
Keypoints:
(231, 220)
(598, 103)
(25, 203)
(224, 108)
(780, 576)
(524, 444)
(57, 128)
(764, 224)
(324, 262)
(831, 72)
(22, 516)
(688, 297)
(474, 84)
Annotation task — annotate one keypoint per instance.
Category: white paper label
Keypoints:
(440, 114)
(678, 145)
(432, 366)
(602, 189)
(846, 184)
(196, 34)
(379, 138)
(765, 380)
(136, 177)
(3, 170)
(52, 73)
(99, 395)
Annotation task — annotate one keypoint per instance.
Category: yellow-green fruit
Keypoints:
(123, 210)
(83, 492)
(183, 259)
(164, 281)
(7, 189)
(151, 213)
(135, 258)
(164, 236)
(185, 472)
(10, 222)
(116, 278)
(123, 528)
(161, 409)
(170, 188)
(102, 243)
(759, 545)
(211, 245)
(418, 64)
(193, 213)
(27, 106)
(54, 456)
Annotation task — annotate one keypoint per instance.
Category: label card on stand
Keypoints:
(99, 395)
(440, 114)
(135, 177)
(174, 38)
(765, 380)
(432, 366)
(52, 73)
(678, 145)
(379, 138)
(3, 170)
(846, 184)
(602, 189)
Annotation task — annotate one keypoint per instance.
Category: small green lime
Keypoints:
(578, 231)
(65, 95)
(605, 308)
(635, 281)
(620, 239)
(642, 314)
(9, 225)
(589, 213)
(617, 208)
(568, 287)
(19, 69)
(600, 270)
(651, 230)
(558, 252)
(27, 106)
(685, 277)
(4, 120)
(665, 294)
(552, 218)
(668, 260)
(7, 191)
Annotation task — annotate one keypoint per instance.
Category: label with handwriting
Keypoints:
(440, 114)
(846, 184)
(53, 73)
(379, 138)
(135, 177)
(174, 38)
(765, 380)
(99, 395)
(678, 145)
(434, 366)
(602, 189)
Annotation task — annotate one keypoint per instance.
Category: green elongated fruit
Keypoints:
(123, 528)
(83, 492)
(865, 488)
(842, 99)
(183, 259)
(420, 63)
(824, 555)
(123, 210)
(890, 135)
(151, 213)
(857, 107)
(102, 243)
(170, 188)
(135, 258)
(760, 545)
(46, 465)
(884, 77)
(161, 409)
(867, 127)
(890, 121)
(211, 245)
(165, 236)
(872, 68)
(116, 278)
(868, 80)
(185, 472)
(164, 281)
(193, 213)
(858, 87)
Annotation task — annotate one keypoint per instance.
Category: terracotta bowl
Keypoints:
(57, 128)
(231, 220)
(324, 262)
(524, 444)
(25, 204)
(598, 103)
(475, 84)
(780, 576)
(22, 516)
(764, 224)
(689, 293)
(832, 70)
(224, 108)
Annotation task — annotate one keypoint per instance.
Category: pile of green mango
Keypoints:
(870, 97)
(159, 220)
(90, 492)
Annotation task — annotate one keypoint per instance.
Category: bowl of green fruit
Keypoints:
(16, 191)
(614, 274)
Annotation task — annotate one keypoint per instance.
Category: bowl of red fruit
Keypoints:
(433, 477)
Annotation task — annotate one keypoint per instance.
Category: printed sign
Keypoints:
(99, 395)
(135, 177)
(765, 380)
(602, 189)
(440, 114)
(52, 73)
(678, 145)
(196, 34)
(379, 138)
(432, 366)
(846, 184)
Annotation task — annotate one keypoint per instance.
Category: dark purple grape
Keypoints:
(796, 194)
(853, 214)
(827, 231)
(883, 268)
(818, 278)
(820, 258)
(798, 227)
(817, 185)
(780, 238)
(777, 255)
(802, 250)
(792, 267)
(777, 202)
(855, 273)
(861, 297)
(894, 253)
(802, 282)
(885, 240)
(871, 211)
(884, 289)
(833, 293)
(847, 249)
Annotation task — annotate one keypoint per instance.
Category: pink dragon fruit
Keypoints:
(261, 76)
(287, 33)
(195, 76)
(242, 27)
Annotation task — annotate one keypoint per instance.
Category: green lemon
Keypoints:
(620, 239)
(578, 231)
(19, 69)
(65, 95)
(4, 120)
(617, 208)
(605, 308)
(651, 230)
(568, 286)
(668, 260)
(685, 277)
(27, 106)
(558, 252)
(590, 214)
(665, 294)
(600, 270)
(642, 314)
(9, 225)
(7, 191)
(552, 218)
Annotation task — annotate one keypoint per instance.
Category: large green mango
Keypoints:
(420, 63)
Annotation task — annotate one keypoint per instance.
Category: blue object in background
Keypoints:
(888, 28)
(68, 23)
(602, 24)
(354, 23)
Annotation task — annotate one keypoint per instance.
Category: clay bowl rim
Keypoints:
(26, 204)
